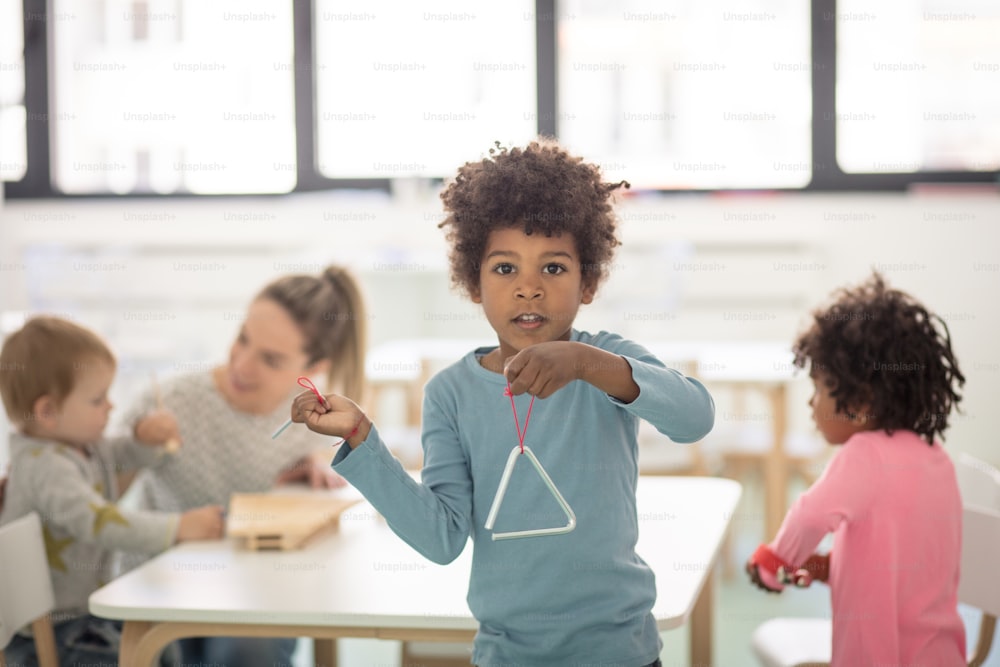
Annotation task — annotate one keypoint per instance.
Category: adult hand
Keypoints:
(157, 427)
(315, 473)
(203, 523)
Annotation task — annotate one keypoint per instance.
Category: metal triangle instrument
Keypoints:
(502, 491)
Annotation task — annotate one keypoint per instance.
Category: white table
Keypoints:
(363, 581)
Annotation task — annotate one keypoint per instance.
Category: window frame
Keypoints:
(826, 173)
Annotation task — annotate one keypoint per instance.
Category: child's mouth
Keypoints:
(529, 320)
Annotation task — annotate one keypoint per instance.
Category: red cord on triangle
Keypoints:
(517, 423)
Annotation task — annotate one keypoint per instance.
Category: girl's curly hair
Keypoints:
(540, 187)
(881, 347)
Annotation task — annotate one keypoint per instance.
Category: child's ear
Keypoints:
(860, 413)
(475, 295)
(863, 407)
(868, 413)
(44, 411)
(587, 295)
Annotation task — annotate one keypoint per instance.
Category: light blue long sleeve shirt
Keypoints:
(584, 597)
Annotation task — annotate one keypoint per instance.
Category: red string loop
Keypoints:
(306, 383)
(517, 423)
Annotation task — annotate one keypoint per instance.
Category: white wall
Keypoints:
(166, 281)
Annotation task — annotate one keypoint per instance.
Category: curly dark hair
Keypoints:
(881, 347)
(540, 187)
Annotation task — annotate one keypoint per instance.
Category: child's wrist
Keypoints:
(360, 432)
(769, 565)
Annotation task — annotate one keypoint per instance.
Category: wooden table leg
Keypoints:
(701, 623)
(132, 634)
(776, 467)
(325, 652)
(142, 642)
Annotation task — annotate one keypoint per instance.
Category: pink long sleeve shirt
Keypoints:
(893, 505)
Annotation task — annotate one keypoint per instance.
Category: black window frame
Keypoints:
(826, 173)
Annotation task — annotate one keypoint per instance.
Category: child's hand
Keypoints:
(340, 417)
(317, 474)
(765, 569)
(543, 369)
(204, 523)
(818, 567)
(157, 428)
(755, 578)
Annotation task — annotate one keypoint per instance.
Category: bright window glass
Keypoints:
(173, 96)
(13, 120)
(918, 86)
(688, 93)
(416, 89)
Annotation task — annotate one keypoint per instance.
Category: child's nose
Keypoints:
(529, 290)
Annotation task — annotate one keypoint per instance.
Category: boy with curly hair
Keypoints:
(531, 232)
(885, 381)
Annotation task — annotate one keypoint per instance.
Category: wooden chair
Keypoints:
(806, 642)
(741, 447)
(658, 455)
(401, 434)
(26, 595)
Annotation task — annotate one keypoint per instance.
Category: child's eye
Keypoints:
(504, 268)
(554, 269)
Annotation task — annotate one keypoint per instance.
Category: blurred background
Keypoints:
(164, 159)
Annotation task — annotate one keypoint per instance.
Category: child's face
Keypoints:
(836, 427)
(83, 415)
(531, 287)
(265, 359)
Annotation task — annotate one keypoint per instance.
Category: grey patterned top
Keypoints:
(224, 451)
(74, 494)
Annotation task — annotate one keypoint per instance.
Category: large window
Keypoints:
(416, 89)
(699, 94)
(172, 96)
(270, 96)
(13, 123)
(918, 86)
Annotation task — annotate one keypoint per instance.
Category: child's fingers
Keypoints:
(803, 578)
(305, 404)
(520, 376)
(755, 579)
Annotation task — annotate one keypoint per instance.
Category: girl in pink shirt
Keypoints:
(885, 381)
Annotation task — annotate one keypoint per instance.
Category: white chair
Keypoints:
(26, 595)
(978, 481)
(806, 642)
(979, 586)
